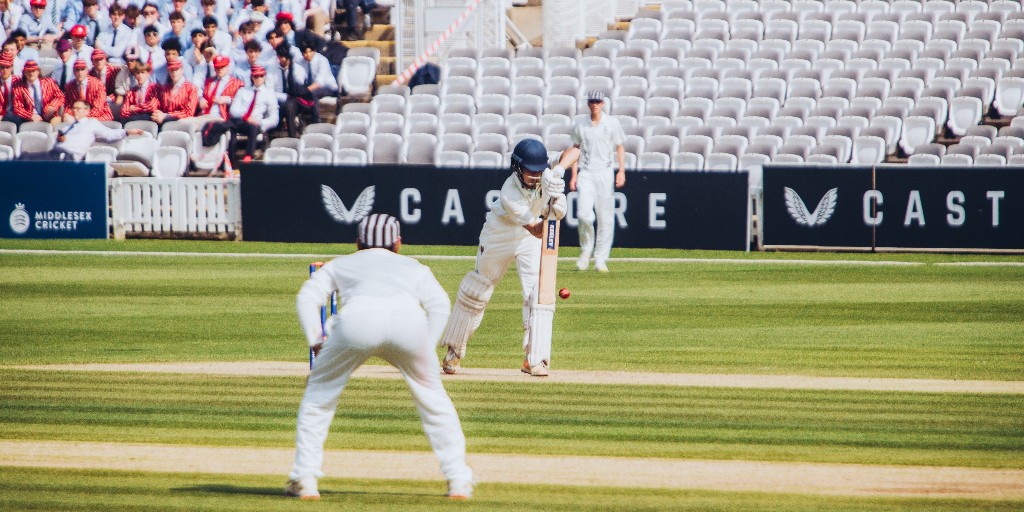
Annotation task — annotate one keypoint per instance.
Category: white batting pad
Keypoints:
(538, 347)
(474, 294)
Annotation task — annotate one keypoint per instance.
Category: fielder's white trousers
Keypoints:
(595, 195)
(501, 245)
(393, 329)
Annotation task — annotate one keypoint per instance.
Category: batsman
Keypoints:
(513, 231)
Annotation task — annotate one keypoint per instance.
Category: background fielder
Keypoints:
(596, 136)
(391, 307)
(512, 232)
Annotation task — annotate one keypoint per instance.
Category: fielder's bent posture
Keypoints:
(597, 136)
(392, 307)
(512, 232)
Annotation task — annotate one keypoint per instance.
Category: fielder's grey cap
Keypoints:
(595, 96)
(379, 230)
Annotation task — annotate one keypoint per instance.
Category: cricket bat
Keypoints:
(547, 290)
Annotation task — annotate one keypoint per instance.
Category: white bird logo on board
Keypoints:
(798, 210)
(339, 212)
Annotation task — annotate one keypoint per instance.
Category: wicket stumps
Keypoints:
(332, 301)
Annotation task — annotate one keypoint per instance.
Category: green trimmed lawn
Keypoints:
(103, 491)
(924, 321)
(653, 421)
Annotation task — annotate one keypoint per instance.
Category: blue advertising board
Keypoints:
(684, 210)
(53, 200)
(894, 208)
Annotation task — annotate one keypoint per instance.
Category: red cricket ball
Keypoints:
(563, 293)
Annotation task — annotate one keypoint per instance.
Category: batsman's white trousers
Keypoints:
(595, 195)
(501, 243)
(393, 329)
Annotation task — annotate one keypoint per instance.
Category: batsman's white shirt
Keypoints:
(504, 239)
(391, 307)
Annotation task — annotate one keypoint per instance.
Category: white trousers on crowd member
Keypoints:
(595, 195)
(499, 247)
(393, 329)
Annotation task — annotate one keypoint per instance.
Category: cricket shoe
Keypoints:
(451, 362)
(303, 489)
(583, 262)
(601, 266)
(460, 489)
(537, 370)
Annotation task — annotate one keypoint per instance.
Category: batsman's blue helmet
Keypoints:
(530, 155)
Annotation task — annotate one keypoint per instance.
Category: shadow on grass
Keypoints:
(232, 489)
(272, 491)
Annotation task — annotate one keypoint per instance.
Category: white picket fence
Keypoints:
(175, 207)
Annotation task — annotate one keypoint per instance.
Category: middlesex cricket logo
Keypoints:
(798, 210)
(19, 219)
(336, 208)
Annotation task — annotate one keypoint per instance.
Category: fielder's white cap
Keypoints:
(595, 96)
(379, 230)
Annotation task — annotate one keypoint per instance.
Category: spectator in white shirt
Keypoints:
(80, 50)
(220, 40)
(92, 20)
(75, 140)
(116, 38)
(151, 53)
(322, 81)
(151, 18)
(253, 111)
(179, 31)
(10, 15)
(39, 28)
(24, 52)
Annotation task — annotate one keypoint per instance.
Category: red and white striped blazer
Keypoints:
(52, 98)
(108, 79)
(210, 93)
(180, 103)
(133, 103)
(5, 103)
(95, 96)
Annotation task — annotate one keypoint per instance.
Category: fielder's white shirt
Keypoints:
(373, 273)
(597, 142)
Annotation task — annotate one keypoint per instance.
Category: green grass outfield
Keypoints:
(928, 320)
(104, 491)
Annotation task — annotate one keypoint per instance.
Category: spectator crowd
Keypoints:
(253, 65)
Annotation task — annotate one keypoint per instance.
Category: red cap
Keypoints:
(220, 62)
(81, 64)
(78, 31)
(31, 65)
(98, 54)
(6, 60)
(283, 15)
(258, 70)
(173, 64)
(37, 3)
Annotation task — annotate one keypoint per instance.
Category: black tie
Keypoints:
(113, 43)
(69, 128)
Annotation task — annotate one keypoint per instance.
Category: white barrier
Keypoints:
(176, 207)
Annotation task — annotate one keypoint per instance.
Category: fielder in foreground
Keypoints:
(512, 232)
(392, 307)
